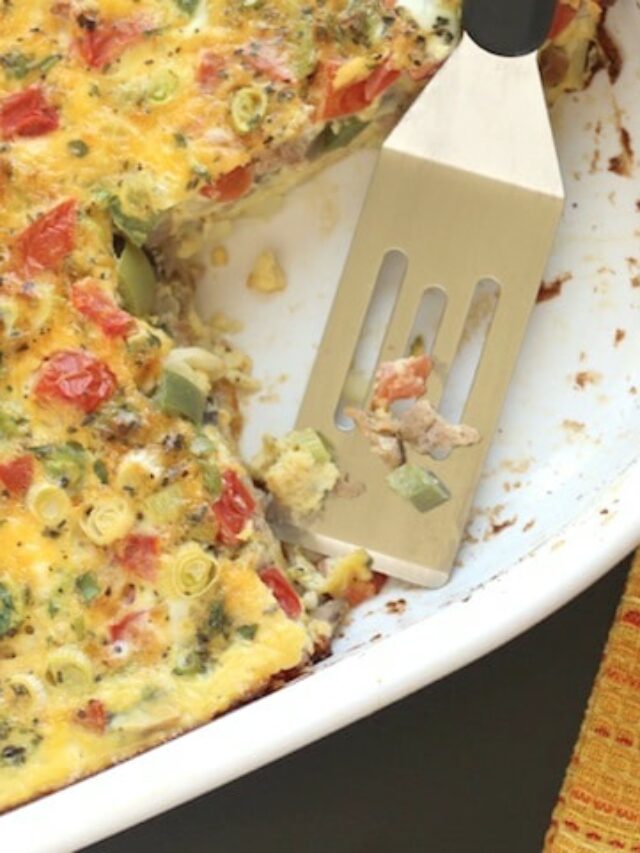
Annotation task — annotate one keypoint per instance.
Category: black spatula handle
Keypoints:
(508, 27)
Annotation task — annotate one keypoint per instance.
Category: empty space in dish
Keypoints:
(572, 418)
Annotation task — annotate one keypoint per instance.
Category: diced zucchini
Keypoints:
(311, 442)
(178, 395)
(136, 280)
(211, 478)
(335, 135)
(421, 488)
(202, 445)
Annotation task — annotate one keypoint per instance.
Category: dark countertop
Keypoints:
(471, 764)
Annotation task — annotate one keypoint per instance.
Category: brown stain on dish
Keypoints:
(550, 289)
(497, 527)
(574, 427)
(529, 525)
(610, 52)
(619, 336)
(587, 377)
(398, 606)
(622, 163)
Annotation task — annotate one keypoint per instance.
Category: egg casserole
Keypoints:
(141, 590)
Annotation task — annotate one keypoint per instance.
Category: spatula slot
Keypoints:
(460, 379)
(358, 380)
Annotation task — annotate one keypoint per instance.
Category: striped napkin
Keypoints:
(599, 805)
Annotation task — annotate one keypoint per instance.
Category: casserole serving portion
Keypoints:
(141, 591)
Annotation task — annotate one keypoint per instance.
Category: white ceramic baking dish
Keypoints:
(558, 505)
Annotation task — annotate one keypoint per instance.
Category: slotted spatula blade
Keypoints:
(468, 188)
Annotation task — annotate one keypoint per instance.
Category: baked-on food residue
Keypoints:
(141, 590)
(551, 289)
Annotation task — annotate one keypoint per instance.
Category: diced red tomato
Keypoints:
(16, 475)
(48, 240)
(108, 40)
(563, 16)
(208, 74)
(233, 508)
(93, 716)
(403, 379)
(139, 554)
(360, 591)
(88, 297)
(129, 626)
(27, 113)
(231, 186)
(283, 592)
(357, 96)
(77, 378)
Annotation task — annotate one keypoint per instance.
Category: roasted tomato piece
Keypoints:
(129, 626)
(233, 508)
(282, 590)
(48, 240)
(77, 378)
(208, 74)
(563, 16)
(139, 553)
(231, 186)
(106, 41)
(356, 96)
(16, 475)
(89, 299)
(27, 113)
(360, 590)
(403, 379)
(93, 716)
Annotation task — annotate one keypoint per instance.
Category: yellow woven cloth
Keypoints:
(599, 805)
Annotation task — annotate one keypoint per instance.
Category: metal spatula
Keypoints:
(467, 187)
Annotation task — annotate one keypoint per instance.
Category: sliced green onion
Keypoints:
(311, 442)
(162, 87)
(88, 587)
(178, 395)
(248, 632)
(136, 280)
(194, 570)
(248, 108)
(69, 667)
(422, 488)
(78, 147)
